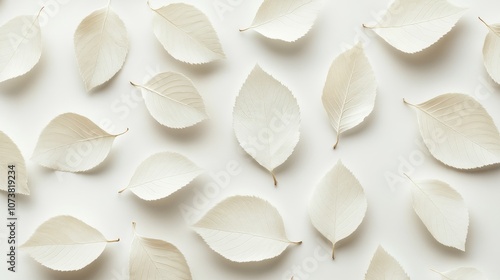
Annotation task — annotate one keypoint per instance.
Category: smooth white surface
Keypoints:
(387, 141)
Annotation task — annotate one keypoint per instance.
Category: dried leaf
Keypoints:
(173, 100)
(20, 46)
(186, 34)
(338, 204)
(156, 259)
(384, 266)
(162, 174)
(412, 26)
(491, 51)
(442, 210)
(10, 155)
(266, 120)
(244, 229)
(287, 20)
(65, 243)
(72, 143)
(350, 90)
(462, 273)
(101, 46)
(458, 131)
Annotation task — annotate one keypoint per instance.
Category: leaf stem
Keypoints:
(120, 191)
(333, 251)
(149, 5)
(121, 133)
(336, 141)
(487, 25)
(366, 26)
(39, 12)
(134, 84)
(296, 242)
(113, 241)
(274, 179)
(244, 29)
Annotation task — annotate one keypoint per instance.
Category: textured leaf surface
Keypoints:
(338, 204)
(412, 26)
(101, 46)
(65, 243)
(458, 131)
(173, 100)
(73, 143)
(244, 229)
(11, 155)
(350, 90)
(20, 46)
(384, 267)
(186, 34)
(162, 174)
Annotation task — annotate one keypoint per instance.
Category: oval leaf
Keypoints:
(491, 51)
(443, 211)
(161, 175)
(384, 266)
(412, 26)
(338, 204)
(244, 229)
(463, 273)
(72, 143)
(458, 131)
(20, 46)
(65, 243)
(287, 20)
(173, 100)
(11, 156)
(101, 46)
(156, 259)
(350, 90)
(186, 34)
(266, 120)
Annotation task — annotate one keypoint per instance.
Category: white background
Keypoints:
(388, 139)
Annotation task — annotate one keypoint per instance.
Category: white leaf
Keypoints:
(338, 204)
(10, 155)
(287, 20)
(65, 243)
(458, 131)
(350, 90)
(384, 267)
(161, 175)
(101, 46)
(20, 46)
(412, 26)
(266, 120)
(491, 51)
(72, 143)
(463, 273)
(186, 34)
(443, 211)
(173, 100)
(244, 229)
(156, 259)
